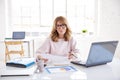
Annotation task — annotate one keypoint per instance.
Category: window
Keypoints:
(24, 13)
(81, 14)
(38, 15)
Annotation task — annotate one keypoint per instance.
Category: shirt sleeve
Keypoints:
(73, 45)
(45, 47)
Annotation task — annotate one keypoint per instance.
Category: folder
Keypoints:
(21, 62)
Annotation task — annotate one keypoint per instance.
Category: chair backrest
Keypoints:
(14, 47)
(13, 44)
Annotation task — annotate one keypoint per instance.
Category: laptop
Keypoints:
(99, 53)
(18, 35)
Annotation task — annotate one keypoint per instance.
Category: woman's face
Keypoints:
(61, 28)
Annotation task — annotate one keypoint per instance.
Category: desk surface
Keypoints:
(26, 39)
(108, 71)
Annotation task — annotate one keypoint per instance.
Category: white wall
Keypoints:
(2, 34)
(109, 21)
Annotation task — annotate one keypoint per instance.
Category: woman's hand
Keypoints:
(39, 57)
(71, 56)
(45, 60)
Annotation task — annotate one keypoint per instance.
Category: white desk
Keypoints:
(110, 71)
(26, 40)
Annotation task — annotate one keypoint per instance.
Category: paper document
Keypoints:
(56, 60)
(60, 69)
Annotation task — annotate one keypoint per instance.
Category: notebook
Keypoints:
(99, 53)
(18, 35)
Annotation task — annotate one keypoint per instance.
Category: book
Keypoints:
(21, 62)
(60, 69)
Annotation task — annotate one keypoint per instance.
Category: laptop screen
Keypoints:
(101, 52)
(18, 35)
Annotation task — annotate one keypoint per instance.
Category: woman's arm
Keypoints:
(45, 47)
(74, 50)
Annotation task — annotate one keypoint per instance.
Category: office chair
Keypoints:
(13, 47)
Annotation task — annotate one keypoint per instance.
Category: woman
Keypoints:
(60, 41)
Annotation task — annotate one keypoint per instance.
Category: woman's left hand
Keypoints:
(71, 56)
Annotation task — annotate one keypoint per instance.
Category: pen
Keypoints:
(74, 55)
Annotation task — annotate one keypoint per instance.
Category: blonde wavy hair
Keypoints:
(54, 34)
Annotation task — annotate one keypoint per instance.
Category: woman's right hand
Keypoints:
(45, 60)
(39, 57)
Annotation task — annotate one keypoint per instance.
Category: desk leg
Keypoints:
(33, 48)
(29, 49)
